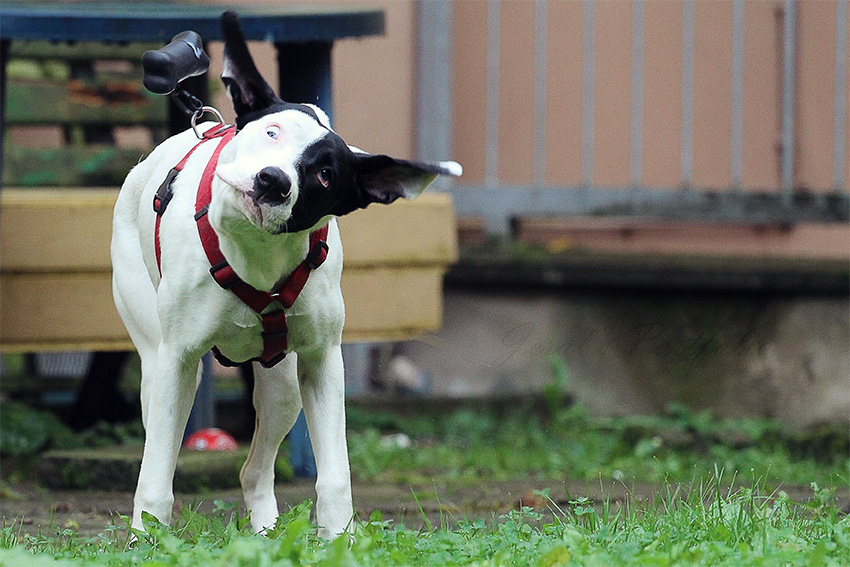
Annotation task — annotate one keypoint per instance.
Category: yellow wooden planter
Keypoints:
(55, 273)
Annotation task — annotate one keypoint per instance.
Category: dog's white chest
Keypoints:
(314, 319)
(240, 335)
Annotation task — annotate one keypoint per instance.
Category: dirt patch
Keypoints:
(42, 511)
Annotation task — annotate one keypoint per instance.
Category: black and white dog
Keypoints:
(246, 260)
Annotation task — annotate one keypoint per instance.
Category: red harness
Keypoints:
(275, 330)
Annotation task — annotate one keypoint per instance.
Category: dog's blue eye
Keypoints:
(273, 132)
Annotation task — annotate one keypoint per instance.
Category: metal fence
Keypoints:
(498, 202)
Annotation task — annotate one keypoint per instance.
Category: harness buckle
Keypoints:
(202, 212)
(224, 275)
(317, 255)
(164, 193)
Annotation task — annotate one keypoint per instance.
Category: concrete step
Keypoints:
(117, 468)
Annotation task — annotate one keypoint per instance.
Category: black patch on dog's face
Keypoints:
(325, 177)
(353, 181)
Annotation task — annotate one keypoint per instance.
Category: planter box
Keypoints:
(55, 272)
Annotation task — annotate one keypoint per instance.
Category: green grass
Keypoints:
(480, 445)
(677, 446)
(708, 525)
(721, 498)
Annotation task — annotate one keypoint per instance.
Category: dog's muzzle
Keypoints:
(272, 185)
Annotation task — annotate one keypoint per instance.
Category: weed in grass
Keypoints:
(469, 445)
(706, 523)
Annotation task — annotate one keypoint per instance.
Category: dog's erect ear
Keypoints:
(383, 179)
(248, 90)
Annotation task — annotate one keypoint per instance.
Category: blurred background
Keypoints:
(655, 196)
(654, 205)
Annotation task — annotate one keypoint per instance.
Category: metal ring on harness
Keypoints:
(201, 112)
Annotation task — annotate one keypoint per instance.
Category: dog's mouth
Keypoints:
(271, 217)
(269, 208)
(266, 197)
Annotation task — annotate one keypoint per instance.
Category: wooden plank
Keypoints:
(76, 311)
(70, 229)
(55, 272)
(69, 166)
(142, 21)
(75, 102)
(79, 51)
(392, 303)
(56, 230)
(58, 308)
(737, 241)
(415, 232)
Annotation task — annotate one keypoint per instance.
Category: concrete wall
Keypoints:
(627, 352)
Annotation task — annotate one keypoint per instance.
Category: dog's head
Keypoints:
(288, 169)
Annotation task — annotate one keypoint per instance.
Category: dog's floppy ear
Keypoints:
(383, 179)
(248, 90)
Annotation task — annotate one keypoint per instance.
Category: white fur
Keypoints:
(174, 319)
(452, 168)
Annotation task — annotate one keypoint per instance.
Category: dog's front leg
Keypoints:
(170, 392)
(277, 401)
(323, 396)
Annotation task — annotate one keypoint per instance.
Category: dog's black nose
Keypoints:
(272, 184)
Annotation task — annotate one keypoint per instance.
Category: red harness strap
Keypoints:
(164, 193)
(275, 330)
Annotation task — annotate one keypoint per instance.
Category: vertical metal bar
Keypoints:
(434, 103)
(491, 157)
(588, 68)
(687, 150)
(5, 44)
(737, 141)
(540, 86)
(305, 73)
(636, 133)
(789, 41)
(840, 134)
(301, 449)
(202, 415)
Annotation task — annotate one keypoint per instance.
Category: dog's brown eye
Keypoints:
(324, 176)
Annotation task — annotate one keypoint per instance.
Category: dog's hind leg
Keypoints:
(169, 393)
(323, 396)
(133, 291)
(277, 402)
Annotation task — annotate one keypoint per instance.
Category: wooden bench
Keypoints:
(67, 104)
(55, 271)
